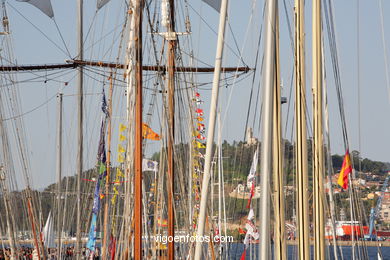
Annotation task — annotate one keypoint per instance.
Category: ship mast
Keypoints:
(300, 133)
(80, 127)
(277, 153)
(210, 132)
(318, 143)
(59, 172)
(138, 9)
(171, 37)
(266, 147)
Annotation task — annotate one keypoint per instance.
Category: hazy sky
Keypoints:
(30, 46)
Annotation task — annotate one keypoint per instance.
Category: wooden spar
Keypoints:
(300, 133)
(31, 216)
(108, 167)
(139, 4)
(318, 142)
(171, 130)
(277, 155)
(59, 172)
(73, 64)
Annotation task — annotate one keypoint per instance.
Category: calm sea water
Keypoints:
(236, 250)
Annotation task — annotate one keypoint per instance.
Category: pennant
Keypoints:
(119, 173)
(43, 5)
(121, 158)
(199, 111)
(346, 169)
(201, 137)
(97, 196)
(92, 234)
(215, 4)
(149, 165)
(241, 231)
(122, 138)
(200, 127)
(162, 223)
(197, 94)
(200, 145)
(252, 172)
(104, 104)
(200, 119)
(112, 247)
(48, 232)
(121, 149)
(101, 3)
(243, 255)
(147, 133)
(122, 127)
(252, 192)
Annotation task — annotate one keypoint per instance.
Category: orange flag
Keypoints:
(346, 169)
(148, 133)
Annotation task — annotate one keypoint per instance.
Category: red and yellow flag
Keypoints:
(147, 133)
(346, 169)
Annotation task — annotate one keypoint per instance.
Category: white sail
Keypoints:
(216, 4)
(43, 5)
(101, 3)
(48, 233)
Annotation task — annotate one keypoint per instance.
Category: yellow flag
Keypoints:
(122, 138)
(121, 159)
(121, 149)
(200, 145)
(119, 173)
(148, 133)
(122, 127)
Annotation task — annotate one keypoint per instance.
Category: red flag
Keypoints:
(241, 231)
(243, 255)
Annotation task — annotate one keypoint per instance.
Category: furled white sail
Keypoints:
(101, 3)
(48, 233)
(43, 5)
(216, 4)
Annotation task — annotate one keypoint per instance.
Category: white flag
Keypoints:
(149, 165)
(216, 4)
(252, 171)
(101, 3)
(251, 214)
(43, 5)
(48, 233)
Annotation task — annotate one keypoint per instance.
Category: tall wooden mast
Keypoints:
(277, 154)
(171, 36)
(300, 133)
(318, 143)
(138, 9)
